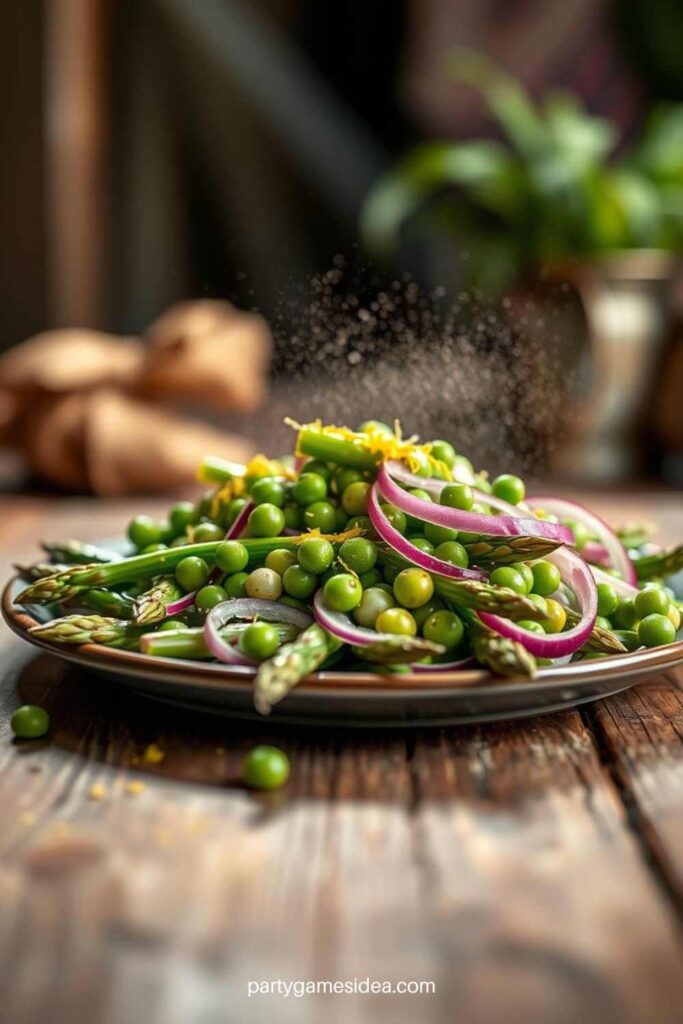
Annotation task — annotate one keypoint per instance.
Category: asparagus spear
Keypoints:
(151, 606)
(503, 656)
(634, 535)
(336, 449)
(662, 564)
(39, 570)
(602, 640)
(89, 629)
(189, 642)
(278, 677)
(77, 552)
(474, 594)
(506, 550)
(80, 577)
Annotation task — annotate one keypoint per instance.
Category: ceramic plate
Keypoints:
(356, 698)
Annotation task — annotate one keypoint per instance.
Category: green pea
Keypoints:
(651, 601)
(192, 573)
(298, 582)
(236, 585)
(354, 498)
(343, 592)
(413, 587)
(439, 534)
(396, 620)
(265, 768)
(234, 509)
(531, 626)
(655, 630)
(422, 544)
(370, 578)
(181, 516)
(280, 560)
(308, 488)
(375, 427)
(266, 520)
(144, 530)
(153, 547)
(546, 578)
(506, 576)
(321, 515)
(315, 554)
(525, 572)
(359, 554)
(397, 518)
(457, 496)
(319, 468)
(443, 451)
(453, 553)
(268, 490)
(344, 477)
(509, 488)
(625, 615)
(259, 641)
(444, 627)
(608, 599)
(294, 519)
(30, 722)
(207, 531)
(232, 556)
(208, 597)
(373, 602)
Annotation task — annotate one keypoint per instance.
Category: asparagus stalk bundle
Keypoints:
(78, 552)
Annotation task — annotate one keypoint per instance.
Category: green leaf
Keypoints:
(581, 139)
(659, 154)
(507, 100)
(485, 172)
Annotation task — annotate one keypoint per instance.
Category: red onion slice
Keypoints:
(472, 522)
(408, 551)
(246, 608)
(595, 553)
(575, 574)
(181, 604)
(566, 509)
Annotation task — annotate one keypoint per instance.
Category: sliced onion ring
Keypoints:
(245, 608)
(575, 574)
(400, 544)
(566, 509)
(472, 522)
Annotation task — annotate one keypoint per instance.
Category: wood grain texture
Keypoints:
(529, 869)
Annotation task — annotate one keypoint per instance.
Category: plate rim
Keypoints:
(333, 684)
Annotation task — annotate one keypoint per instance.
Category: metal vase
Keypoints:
(625, 296)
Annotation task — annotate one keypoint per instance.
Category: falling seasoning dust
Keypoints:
(492, 377)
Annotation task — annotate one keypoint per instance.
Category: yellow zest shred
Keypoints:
(334, 538)
(97, 791)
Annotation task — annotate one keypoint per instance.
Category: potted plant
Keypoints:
(556, 198)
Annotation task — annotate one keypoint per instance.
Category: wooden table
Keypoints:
(532, 871)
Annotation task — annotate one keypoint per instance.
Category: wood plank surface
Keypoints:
(531, 870)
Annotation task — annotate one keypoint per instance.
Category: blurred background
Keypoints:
(466, 215)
